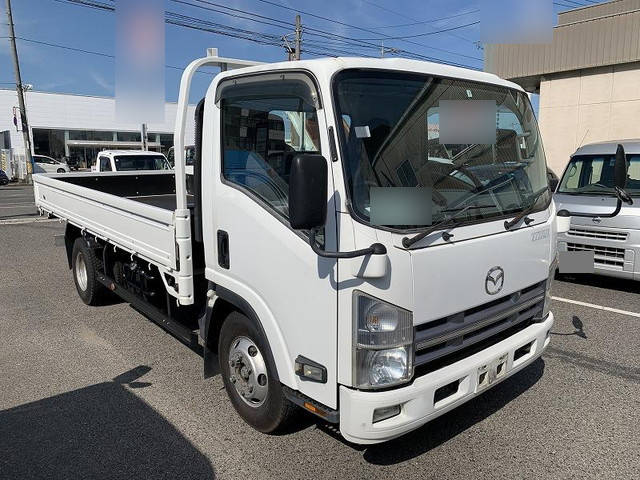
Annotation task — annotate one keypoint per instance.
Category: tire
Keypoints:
(85, 266)
(61, 170)
(267, 412)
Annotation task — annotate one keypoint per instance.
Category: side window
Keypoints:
(37, 159)
(264, 124)
(105, 164)
(571, 179)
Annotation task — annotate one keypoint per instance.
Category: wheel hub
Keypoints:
(81, 271)
(248, 371)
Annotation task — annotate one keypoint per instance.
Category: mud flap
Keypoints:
(211, 367)
(210, 357)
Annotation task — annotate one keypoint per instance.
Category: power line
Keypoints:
(387, 37)
(290, 25)
(455, 35)
(266, 39)
(422, 22)
(367, 30)
(90, 52)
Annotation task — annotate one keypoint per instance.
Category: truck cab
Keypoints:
(390, 339)
(587, 185)
(129, 160)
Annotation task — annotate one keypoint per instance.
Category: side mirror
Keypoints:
(620, 176)
(620, 168)
(308, 183)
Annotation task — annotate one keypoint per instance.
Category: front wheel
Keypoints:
(61, 170)
(250, 376)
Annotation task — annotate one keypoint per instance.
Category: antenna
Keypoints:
(585, 136)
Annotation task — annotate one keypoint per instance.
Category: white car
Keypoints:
(44, 164)
(129, 160)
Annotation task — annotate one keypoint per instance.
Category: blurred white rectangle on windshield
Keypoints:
(400, 206)
(467, 122)
(140, 60)
(516, 21)
(363, 132)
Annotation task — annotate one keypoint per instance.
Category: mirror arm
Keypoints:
(375, 249)
(591, 215)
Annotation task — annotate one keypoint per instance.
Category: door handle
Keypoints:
(223, 249)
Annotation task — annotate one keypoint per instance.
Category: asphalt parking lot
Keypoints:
(101, 392)
(16, 201)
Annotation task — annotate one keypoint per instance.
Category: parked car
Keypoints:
(3, 178)
(129, 160)
(588, 186)
(44, 164)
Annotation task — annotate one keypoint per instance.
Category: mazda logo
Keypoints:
(494, 281)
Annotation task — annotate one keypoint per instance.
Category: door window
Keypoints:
(264, 124)
(105, 164)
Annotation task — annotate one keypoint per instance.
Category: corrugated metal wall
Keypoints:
(595, 11)
(602, 41)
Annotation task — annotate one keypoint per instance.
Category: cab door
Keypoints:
(260, 123)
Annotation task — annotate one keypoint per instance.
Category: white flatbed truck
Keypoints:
(275, 265)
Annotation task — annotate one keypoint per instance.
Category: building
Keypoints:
(588, 78)
(80, 125)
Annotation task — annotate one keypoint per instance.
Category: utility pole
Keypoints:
(19, 86)
(144, 140)
(298, 37)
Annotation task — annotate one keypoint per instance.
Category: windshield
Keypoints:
(140, 162)
(593, 174)
(392, 124)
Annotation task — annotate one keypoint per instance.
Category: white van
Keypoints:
(588, 185)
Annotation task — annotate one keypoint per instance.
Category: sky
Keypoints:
(55, 69)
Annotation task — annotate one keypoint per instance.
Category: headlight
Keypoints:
(383, 343)
(547, 293)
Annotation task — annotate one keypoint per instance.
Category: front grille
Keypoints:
(600, 234)
(441, 342)
(610, 256)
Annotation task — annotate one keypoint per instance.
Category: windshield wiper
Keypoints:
(447, 222)
(509, 224)
(450, 221)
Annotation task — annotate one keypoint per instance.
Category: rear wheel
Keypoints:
(250, 376)
(61, 170)
(85, 265)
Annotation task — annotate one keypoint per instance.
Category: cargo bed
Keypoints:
(134, 211)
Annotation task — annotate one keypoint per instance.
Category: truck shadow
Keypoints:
(100, 431)
(451, 424)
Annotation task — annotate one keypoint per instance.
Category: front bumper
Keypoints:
(613, 258)
(417, 400)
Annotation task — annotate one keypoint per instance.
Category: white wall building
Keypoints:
(588, 77)
(80, 125)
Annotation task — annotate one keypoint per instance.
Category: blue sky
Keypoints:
(55, 69)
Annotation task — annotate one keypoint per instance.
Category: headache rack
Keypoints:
(444, 341)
